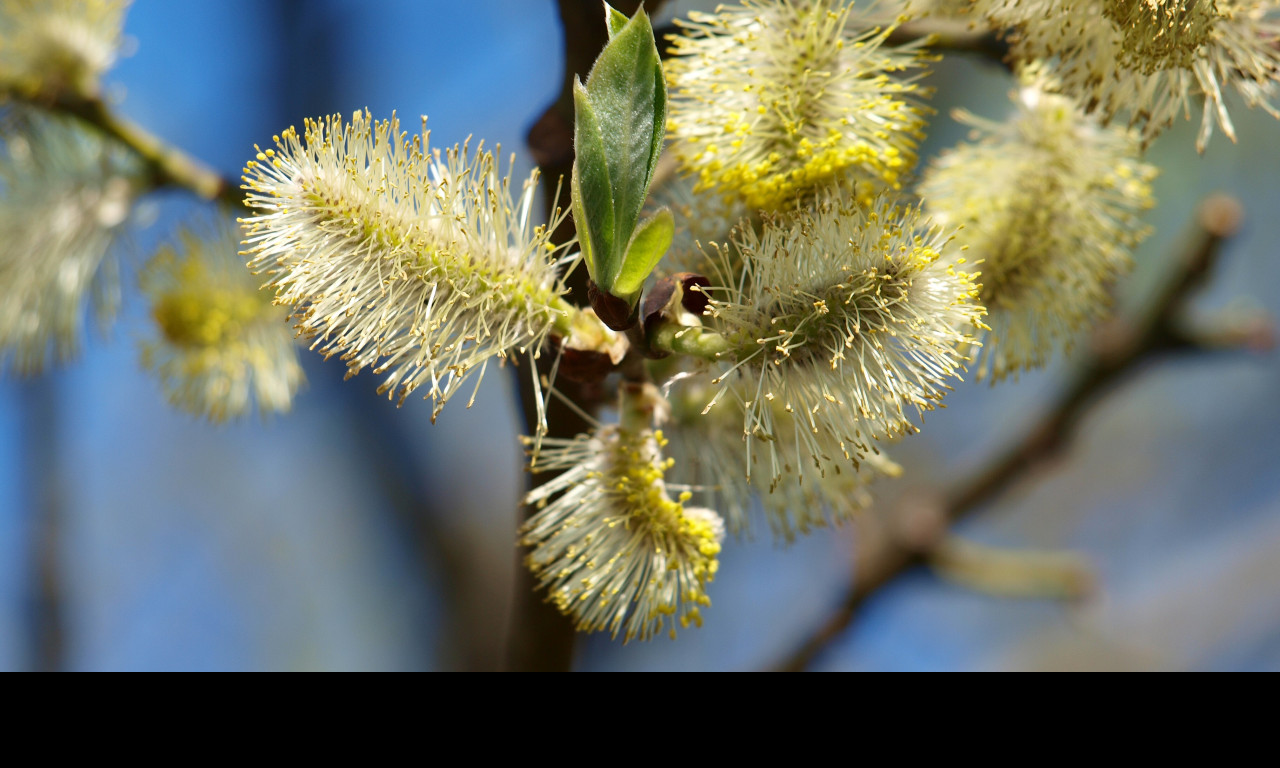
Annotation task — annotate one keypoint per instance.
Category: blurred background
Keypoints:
(352, 535)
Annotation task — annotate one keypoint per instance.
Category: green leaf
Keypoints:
(581, 222)
(618, 134)
(659, 125)
(593, 207)
(628, 97)
(614, 19)
(647, 247)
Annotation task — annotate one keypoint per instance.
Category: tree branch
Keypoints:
(47, 600)
(167, 165)
(957, 35)
(539, 637)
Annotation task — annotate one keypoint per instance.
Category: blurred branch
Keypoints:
(46, 584)
(1012, 572)
(167, 165)
(954, 35)
(1120, 350)
(1254, 331)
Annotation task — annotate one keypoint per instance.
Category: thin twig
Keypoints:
(539, 637)
(1157, 332)
(167, 165)
(954, 35)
